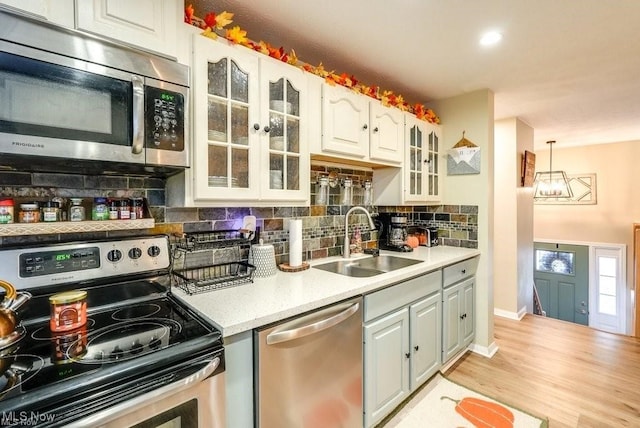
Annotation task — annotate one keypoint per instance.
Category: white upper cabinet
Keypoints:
(345, 122)
(422, 162)
(59, 12)
(146, 24)
(284, 149)
(357, 127)
(386, 141)
(419, 181)
(250, 126)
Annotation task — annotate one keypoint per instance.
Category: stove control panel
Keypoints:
(61, 263)
(49, 262)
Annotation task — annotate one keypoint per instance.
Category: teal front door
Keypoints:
(561, 274)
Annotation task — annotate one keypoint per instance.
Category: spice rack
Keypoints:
(58, 227)
(207, 261)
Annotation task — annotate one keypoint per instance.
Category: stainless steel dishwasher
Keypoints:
(309, 369)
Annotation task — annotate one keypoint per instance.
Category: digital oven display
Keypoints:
(51, 262)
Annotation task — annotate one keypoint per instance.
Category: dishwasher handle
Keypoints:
(294, 333)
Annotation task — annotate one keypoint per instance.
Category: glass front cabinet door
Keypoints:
(422, 163)
(248, 126)
(284, 146)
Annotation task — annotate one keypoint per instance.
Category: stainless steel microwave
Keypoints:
(72, 102)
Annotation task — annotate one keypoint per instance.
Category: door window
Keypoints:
(562, 262)
(608, 292)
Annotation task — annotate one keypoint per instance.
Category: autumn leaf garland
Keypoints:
(216, 22)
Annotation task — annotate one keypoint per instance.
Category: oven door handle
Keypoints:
(146, 399)
(138, 115)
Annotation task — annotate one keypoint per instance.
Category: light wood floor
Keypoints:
(574, 375)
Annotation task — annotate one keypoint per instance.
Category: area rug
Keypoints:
(449, 405)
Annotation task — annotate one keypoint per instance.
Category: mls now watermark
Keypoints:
(25, 418)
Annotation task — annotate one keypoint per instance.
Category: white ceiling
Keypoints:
(569, 68)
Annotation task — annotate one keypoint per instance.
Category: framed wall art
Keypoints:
(528, 168)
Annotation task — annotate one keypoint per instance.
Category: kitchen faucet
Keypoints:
(346, 253)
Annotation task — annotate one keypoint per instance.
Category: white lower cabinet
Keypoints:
(424, 323)
(458, 318)
(402, 339)
(385, 364)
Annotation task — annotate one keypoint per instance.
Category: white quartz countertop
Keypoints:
(237, 309)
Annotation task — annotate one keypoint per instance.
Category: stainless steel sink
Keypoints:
(367, 266)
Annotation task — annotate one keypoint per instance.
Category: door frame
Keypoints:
(628, 302)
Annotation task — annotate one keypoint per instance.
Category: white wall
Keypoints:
(473, 113)
(513, 217)
(618, 198)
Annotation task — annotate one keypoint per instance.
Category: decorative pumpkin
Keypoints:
(412, 241)
(482, 413)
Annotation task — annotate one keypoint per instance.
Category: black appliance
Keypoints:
(392, 233)
(74, 102)
(138, 337)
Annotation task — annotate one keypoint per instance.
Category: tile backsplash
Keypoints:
(323, 225)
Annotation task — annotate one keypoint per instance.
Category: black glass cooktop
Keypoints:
(133, 330)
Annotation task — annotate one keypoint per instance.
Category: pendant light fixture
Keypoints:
(551, 184)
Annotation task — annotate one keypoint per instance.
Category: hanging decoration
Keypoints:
(213, 24)
(463, 158)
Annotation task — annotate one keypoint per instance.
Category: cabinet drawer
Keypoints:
(459, 271)
(398, 295)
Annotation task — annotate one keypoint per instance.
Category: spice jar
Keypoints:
(29, 212)
(68, 310)
(124, 210)
(51, 211)
(6, 210)
(137, 208)
(113, 209)
(100, 210)
(76, 210)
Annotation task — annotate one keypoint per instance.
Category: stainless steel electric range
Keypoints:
(141, 359)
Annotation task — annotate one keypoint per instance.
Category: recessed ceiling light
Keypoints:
(490, 38)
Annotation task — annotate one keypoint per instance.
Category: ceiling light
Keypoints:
(551, 184)
(490, 38)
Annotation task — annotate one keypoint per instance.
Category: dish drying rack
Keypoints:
(206, 261)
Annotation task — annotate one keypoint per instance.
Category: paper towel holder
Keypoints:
(286, 267)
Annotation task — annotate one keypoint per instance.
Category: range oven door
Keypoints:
(197, 401)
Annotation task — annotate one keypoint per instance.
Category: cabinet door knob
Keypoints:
(256, 126)
(365, 126)
(267, 129)
(464, 271)
(416, 348)
(462, 316)
(408, 355)
(375, 129)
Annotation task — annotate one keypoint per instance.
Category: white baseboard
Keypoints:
(485, 351)
(510, 315)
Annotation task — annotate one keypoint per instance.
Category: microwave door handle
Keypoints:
(138, 115)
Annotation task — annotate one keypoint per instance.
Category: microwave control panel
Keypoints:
(164, 119)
